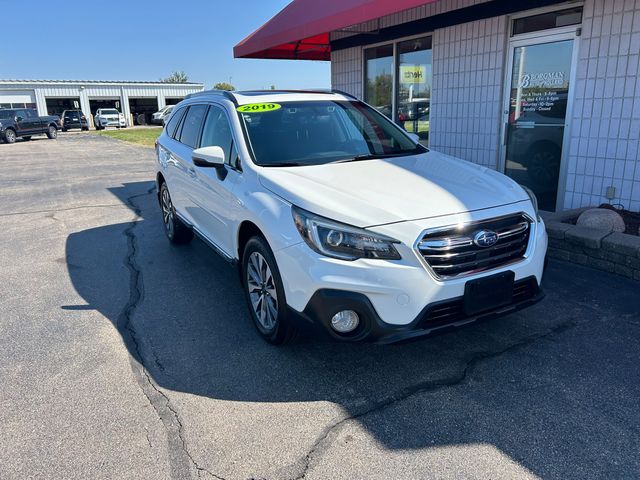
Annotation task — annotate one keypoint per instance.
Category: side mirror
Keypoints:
(414, 137)
(208, 157)
(19, 119)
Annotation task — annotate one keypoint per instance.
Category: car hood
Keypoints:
(377, 192)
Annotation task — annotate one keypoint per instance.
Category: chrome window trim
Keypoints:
(533, 225)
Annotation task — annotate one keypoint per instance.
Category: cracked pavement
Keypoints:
(125, 357)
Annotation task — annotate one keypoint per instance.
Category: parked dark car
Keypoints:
(74, 119)
(25, 122)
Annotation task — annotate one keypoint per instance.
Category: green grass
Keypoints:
(139, 136)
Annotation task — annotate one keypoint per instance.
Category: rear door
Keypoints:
(36, 124)
(182, 174)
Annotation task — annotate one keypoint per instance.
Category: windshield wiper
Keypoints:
(282, 164)
(374, 156)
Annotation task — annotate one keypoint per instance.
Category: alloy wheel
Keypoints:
(167, 211)
(262, 291)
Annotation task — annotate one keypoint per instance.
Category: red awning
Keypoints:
(301, 30)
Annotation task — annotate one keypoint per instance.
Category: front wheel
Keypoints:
(176, 231)
(52, 132)
(264, 293)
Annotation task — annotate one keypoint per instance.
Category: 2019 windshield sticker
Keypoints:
(258, 107)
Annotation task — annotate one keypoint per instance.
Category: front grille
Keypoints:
(451, 251)
(452, 311)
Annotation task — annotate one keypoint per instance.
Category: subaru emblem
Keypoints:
(485, 238)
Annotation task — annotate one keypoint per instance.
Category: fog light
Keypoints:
(345, 321)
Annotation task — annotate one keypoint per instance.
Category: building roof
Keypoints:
(301, 30)
(99, 82)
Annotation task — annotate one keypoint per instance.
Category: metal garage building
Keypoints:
(51, 97)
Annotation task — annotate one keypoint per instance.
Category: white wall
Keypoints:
(605, 130)
(466, 102)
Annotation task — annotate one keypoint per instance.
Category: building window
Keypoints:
(410, 67)
(546, 21)
(379, 78)
(414, 86)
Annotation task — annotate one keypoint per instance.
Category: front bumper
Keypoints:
(112, 123)
(435, 317)
(395, 294)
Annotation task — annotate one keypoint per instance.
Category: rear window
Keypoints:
(173, 123)
(192, 125)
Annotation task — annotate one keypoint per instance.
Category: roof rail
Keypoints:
(341, 92)
(305, 90)
(224, 93)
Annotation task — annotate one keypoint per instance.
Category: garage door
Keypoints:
(17, 99)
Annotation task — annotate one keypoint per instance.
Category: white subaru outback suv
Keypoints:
(338, 219)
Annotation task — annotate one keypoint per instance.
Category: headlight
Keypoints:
(338, 240)
(533, 198)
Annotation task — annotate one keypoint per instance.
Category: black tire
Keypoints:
(177, 232)
(9, 136)
(27, 138)
(278, 330)
(52, 132)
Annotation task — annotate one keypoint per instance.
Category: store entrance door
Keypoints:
(536, 120)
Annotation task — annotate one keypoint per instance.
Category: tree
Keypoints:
(176, 77)
(224, 86)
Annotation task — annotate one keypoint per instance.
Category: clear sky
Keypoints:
(145, 40)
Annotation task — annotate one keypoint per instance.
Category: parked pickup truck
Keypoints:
(25, 122)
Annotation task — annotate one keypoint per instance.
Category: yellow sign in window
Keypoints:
(413, 73)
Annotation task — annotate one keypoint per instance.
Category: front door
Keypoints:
(536, 113)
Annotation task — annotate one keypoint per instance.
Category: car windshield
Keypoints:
(110, 111)
(5, 114)
(320, 132)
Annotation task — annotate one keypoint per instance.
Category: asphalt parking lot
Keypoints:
(124, 357)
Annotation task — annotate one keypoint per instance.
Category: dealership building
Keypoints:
(545, 91)
(52, 97)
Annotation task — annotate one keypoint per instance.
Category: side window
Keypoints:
(22, 114)
(191, 126)
(217, 132)
(173, 122)
(31, 113)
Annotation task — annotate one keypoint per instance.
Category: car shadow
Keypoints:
(194, 330)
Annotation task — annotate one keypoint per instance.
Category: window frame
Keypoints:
(395, 67)
(234, 137)
(232, 145)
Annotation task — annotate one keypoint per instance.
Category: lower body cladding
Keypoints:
(386, 302)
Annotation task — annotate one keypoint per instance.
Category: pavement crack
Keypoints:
(181, 460)
(323, 441)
